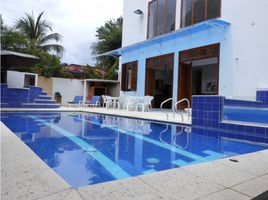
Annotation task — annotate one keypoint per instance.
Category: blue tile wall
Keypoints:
(243, 103)
(207, 114)
(262, 96)
(261, 100)
(16, 97)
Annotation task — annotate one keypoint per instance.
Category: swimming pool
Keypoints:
(87, 149)
(257, 115)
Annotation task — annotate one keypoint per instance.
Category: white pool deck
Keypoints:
(25, 176)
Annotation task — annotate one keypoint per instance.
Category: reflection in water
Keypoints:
(127, 124)
(135, 146)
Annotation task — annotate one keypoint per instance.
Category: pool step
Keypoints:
(46, 101)
(44, 97)
(40, 105)
(43, 93)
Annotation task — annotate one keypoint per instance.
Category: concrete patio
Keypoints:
(25, 176)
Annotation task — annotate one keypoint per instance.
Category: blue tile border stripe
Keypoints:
(152, 141)
(108, 164)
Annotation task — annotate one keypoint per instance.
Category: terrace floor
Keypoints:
(25, 176)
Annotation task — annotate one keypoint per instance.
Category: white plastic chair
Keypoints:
(132, 103)
(145, 103)
(107, 101)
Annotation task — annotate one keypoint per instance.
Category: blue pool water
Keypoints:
(88, 148)
(258, 115)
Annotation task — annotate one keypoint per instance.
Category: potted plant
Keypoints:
(58, 97)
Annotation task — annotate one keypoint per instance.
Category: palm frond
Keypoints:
(54, 36)
(53, 47)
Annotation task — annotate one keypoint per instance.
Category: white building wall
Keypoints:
(134, 26)
(243, 66)
(68, 88)
(243, 49)
(16, 79)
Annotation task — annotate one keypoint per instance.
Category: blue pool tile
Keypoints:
(250, 129)
(260, 131)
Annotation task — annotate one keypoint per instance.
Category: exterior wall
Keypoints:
(113, 90)
(135, 26)
(16, 79)
(68, 88)
(172, 46)
(243, 47)
(243, 66)
(46, 84)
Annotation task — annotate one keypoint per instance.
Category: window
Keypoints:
(129, 76)
(161, 18)
(200, 53)
(194, 11)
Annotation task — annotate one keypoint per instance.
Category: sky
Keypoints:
(75, 20)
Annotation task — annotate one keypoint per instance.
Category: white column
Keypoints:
(85, 91)
(175, 77)
(141, 76)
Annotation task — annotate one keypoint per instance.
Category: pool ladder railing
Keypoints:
(175, 110)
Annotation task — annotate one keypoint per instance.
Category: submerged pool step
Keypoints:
(211, 155)
(40, 105)
(44, 97)
(46, 101)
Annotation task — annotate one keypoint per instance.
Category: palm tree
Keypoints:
(36, 33)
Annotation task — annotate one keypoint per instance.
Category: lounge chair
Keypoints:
(77, 101)
(94, 101)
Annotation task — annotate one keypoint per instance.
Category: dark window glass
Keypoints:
(214, 9)
(186, 13)
(194, 11)
(129, 78)
(170, 18)
(152, 19)
(203, 52)
(199, 10)
(161, 17)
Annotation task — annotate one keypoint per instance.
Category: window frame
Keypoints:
(156, 18)
(206, 12)
(125, 82)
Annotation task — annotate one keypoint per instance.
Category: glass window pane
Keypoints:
(161, 17)
(214, 9)
(199, 10)
(152, 19)
(129, 77)
(186, 13)
(170, 17)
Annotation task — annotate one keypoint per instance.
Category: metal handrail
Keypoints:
(188, 106)
(161, 106)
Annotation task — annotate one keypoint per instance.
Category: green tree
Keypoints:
(36, 31)
(109, 38)
(12, 40)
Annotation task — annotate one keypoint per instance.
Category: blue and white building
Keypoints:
(180, 48)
